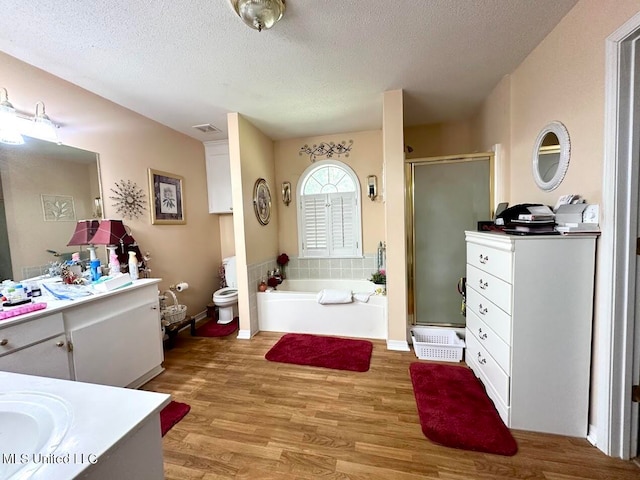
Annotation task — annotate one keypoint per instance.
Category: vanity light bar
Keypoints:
(13, 125)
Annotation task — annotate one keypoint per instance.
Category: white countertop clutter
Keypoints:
(63, 411)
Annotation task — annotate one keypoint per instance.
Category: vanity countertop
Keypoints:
(54, 305)
(102, 417)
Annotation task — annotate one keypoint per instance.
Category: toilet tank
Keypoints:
(230, 275)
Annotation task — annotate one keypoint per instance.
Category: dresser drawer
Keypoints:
(503, 410)
(496, 290)
(490, 369)
(496, 318)
(499, 350)
(27, 333)
(495, 262)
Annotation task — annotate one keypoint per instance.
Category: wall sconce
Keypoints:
(372, 187)
(286, 193)
(14, 125)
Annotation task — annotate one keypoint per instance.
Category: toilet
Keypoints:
(226, 299)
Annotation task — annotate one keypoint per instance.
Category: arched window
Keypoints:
(329, 211)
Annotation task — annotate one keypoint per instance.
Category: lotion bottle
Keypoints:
(133, 266)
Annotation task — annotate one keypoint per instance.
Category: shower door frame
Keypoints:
(410, 165)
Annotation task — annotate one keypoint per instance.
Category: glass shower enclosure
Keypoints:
(446, 196)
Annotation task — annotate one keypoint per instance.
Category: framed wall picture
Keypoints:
(166, 194)
(262, 201)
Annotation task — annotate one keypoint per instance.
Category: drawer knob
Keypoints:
(4, 341)
(482, 336)
(481, 360)
(60, 344)
(483, 285)
(483, 311)
(484, 259)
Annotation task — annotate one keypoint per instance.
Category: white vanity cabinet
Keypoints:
(117, 339)
(529, 323)
(218, 176)
(112, 338)
(38, 347)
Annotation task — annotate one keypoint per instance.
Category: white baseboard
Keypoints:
(592, 435)
(244, 335)
(398, 345)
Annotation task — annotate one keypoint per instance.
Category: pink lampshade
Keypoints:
(112, 232)
(84, 232)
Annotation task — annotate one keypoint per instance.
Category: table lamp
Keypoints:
(112, 233)
(83, 235)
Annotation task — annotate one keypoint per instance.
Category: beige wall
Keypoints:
(251, 157)
(365, 159)
(393, 151)
(439, 139)
(562, 79)
(129, 144)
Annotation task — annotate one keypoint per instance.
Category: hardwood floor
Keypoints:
(259, 420)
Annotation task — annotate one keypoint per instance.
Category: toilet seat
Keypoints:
(225, 296)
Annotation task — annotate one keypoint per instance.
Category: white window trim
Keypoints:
(358, 208)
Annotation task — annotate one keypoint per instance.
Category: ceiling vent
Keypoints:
(207, 128)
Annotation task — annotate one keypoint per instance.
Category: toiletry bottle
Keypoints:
(95, 270)
(114, 263)
(133, 266)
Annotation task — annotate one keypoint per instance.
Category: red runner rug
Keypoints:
(455, 411)
(215, 329)
(172, 414)
(322, 351)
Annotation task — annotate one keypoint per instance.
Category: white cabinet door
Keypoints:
(218, 177)
(48, 358)
(120, 348)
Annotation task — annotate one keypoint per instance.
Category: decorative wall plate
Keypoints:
(262, 201)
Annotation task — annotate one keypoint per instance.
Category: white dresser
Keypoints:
(529, 320)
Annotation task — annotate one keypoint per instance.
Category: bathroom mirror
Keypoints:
(45, 189)
(551, 154)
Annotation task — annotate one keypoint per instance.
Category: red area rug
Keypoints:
(455, 411)
(215, 329)
(322, 351)
(172, 414)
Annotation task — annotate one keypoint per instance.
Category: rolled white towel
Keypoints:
(329, 296)
(362, 296)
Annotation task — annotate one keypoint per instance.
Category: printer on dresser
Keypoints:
(529, 323)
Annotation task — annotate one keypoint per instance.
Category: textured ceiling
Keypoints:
(322, 69)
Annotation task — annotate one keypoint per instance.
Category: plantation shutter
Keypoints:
(314, 225)
(342, 207)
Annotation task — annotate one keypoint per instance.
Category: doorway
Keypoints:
(447, 195)
(618, 341)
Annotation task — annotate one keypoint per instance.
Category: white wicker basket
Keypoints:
(437, 344)
(173, 313)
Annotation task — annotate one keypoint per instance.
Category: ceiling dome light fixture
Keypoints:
(259, 14)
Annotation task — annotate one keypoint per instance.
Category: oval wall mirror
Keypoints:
(551, 154)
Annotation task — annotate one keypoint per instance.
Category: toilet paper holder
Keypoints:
(179, 287)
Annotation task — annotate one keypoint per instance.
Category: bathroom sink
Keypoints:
(32, 425)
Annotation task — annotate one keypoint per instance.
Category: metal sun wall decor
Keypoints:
(327, 150)
(129, 199)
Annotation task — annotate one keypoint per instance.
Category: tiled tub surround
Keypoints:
(338, 268)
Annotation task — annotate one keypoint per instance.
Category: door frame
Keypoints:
(617, 417)
(410, 164)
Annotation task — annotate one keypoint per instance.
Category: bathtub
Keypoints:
(293, 308)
